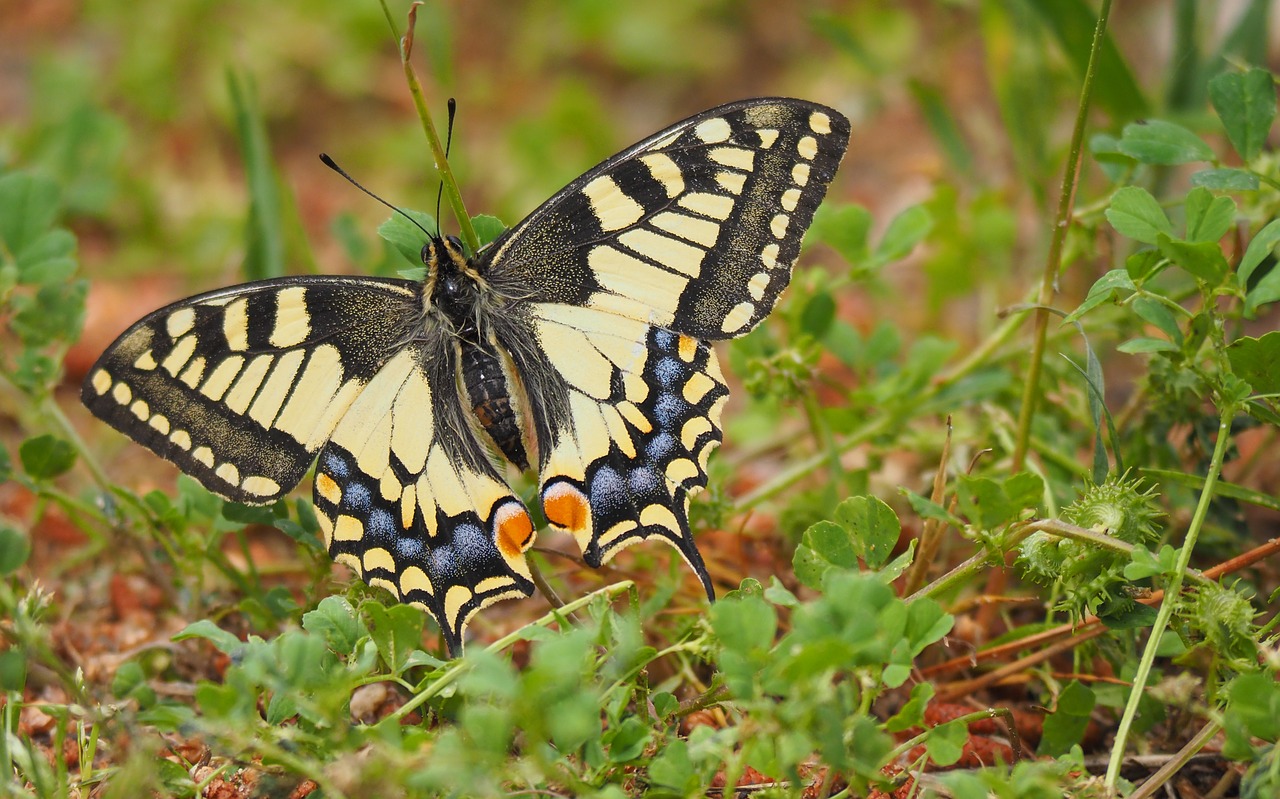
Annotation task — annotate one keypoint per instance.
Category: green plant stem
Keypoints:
(1053, 261)
(447, 181)
(1162, 775)
(459, 667)
(1171, 597)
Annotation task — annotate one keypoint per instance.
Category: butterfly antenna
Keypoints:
(448, 140)
(329, 162)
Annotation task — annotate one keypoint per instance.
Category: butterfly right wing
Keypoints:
(240, 387)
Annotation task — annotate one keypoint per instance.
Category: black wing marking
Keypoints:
(694, 229)
(240, 387)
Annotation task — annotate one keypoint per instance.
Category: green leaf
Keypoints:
(487, 228)
(1246, 104)
(1260, 247)
(1209, 218)
(628, 740)
(905, 231)
(15, 548)
(1065, 726)
(1143, 345)
(48, 259)
(264, 230)
(912, 713)
(946, 742)
(28, 206)
(823, 547)
(224, 641)
(844, 228)
(1135, 213)
(13, 669)
(47, 456)
(1203, 261)
(404, 236)
(396, 632)
(1111, 286)
(872, 526)
(745, 624)
(1226, 179)
(335, 620)
(818, 314)
(1157, 313)
(1165, 143)
(1257, 361)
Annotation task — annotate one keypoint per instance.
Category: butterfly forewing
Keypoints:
(694, 229)
(241, 387)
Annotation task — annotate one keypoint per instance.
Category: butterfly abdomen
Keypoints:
(485, 382)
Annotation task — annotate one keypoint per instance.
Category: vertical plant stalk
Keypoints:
(1172, 593)
(450, 185)
(1053, 261)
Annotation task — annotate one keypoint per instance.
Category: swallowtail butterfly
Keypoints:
(578, 343)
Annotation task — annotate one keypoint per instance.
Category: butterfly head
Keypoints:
(453, 283)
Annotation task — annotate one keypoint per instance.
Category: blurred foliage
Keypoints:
(160, 148)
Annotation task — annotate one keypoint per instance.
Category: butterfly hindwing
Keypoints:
(407, 499)
(694, 229)
(642, 415)
(241, 387)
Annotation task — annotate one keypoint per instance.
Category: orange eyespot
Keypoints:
(566, 507)
(513, 529)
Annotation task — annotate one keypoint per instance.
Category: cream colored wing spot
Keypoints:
(635, 416)
(326, 529)
(713, 131)
(379, 559)
(807, 147)
(454, 599)
(160, 423)
(696, 387)
(820, 123)
(181, 439)
(348, 528)
(228, 472)
(180, 322)
(121, 393)
(635, 281)
(800, 174)
(778, 226)
(179, 355)
(790, 198)
(687, 348)
(409, 505)
(658, 516)
(670, 253)
(757, 284)
(665, 171)
(101, 381)
(317, 387)
(276, 388)
(293, 321)
(738, 317)
(222, 376)
(141, 410)
(735, 157)
(194, 373)
(384, 584)
(146, 362)
(235, 324)
(695, 427)
(203, 455)
(328, 488)
(413, 426)
(415, 579)
(246, 387)
(769, 256)
(716, 206)
(618, 431)
(584, 367)
(613, 208)
(263, 487)
(613, 534)
(692, 228)
(389, 487)
(450, 494)
(767, 137)
(634, 387)
(731, 182)
(350, 561)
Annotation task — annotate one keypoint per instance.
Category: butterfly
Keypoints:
(577, 343)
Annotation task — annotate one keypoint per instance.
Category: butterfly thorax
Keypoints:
(458, 293)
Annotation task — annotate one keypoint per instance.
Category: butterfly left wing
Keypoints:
(623, 275)
(407, 497)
